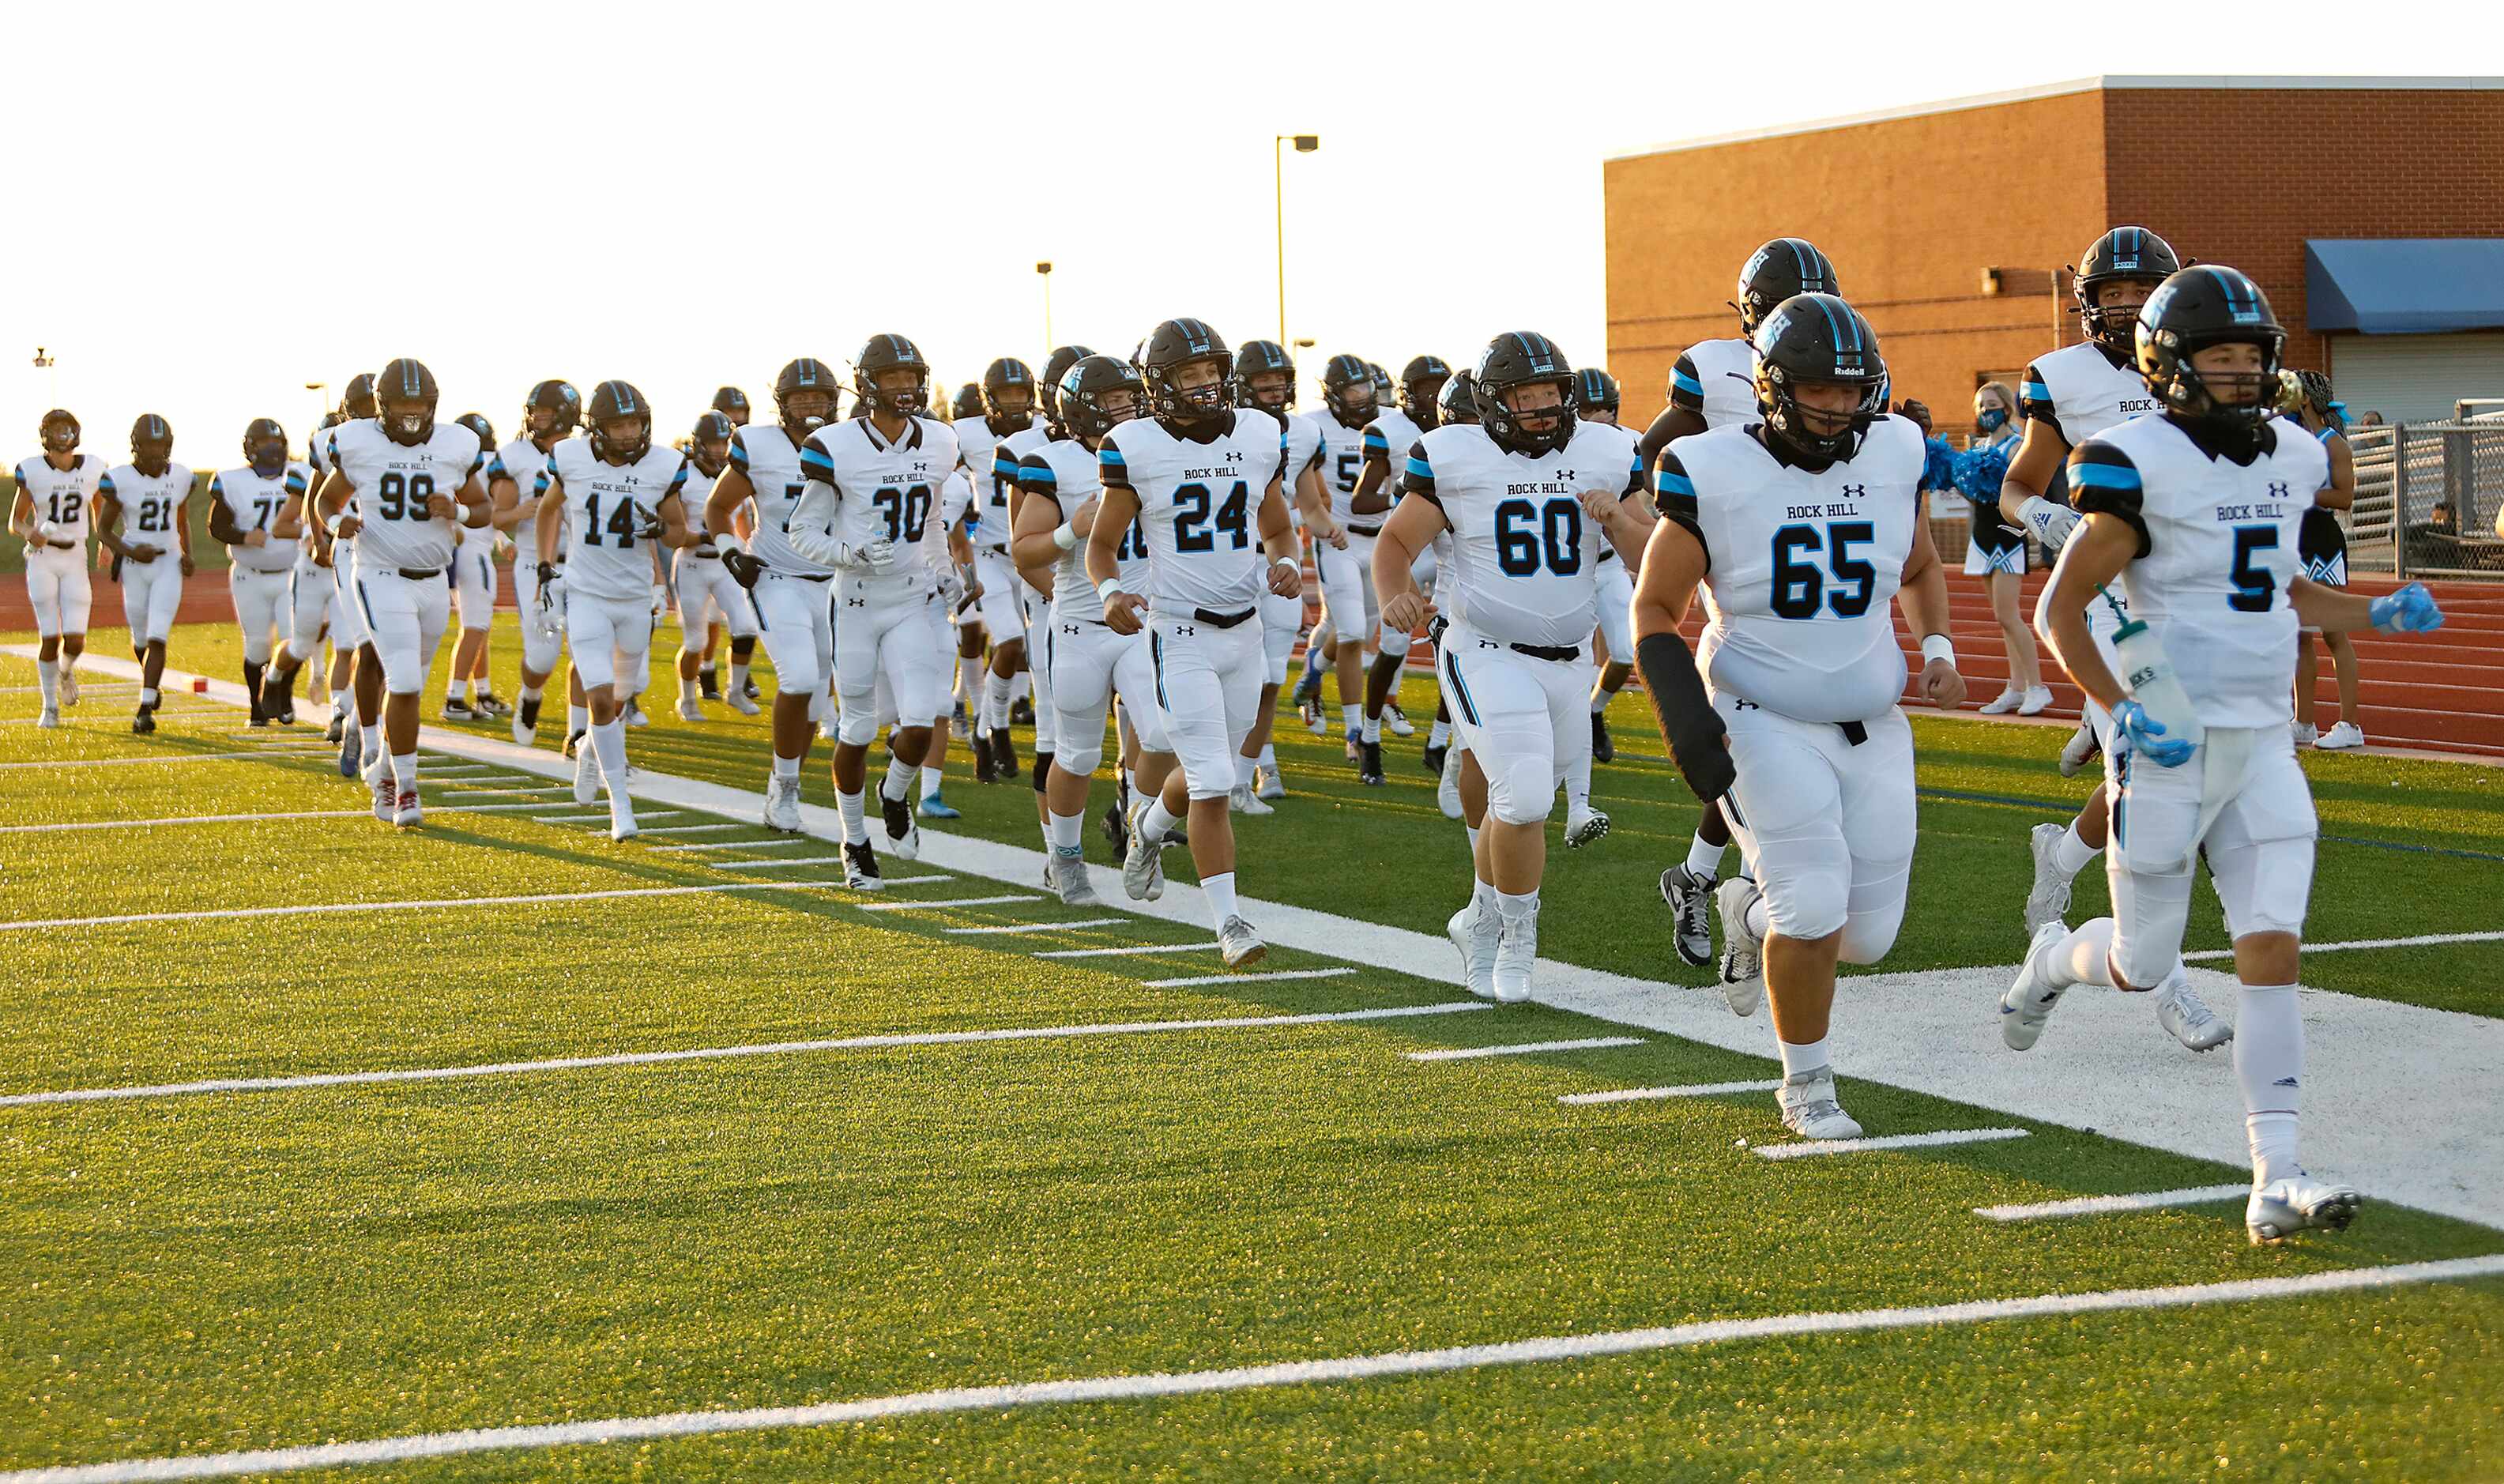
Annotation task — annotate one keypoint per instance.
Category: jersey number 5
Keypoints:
(2255, 589)
(1800, 587)
(1192, 518)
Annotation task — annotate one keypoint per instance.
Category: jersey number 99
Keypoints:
(403, 498)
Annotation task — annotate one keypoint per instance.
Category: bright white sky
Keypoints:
(224, 202)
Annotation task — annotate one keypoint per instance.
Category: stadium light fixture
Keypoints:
(1305, 143)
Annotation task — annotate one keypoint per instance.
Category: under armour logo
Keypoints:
(1234, 455)
(2277, 489)
(1564, 473)
(856, 603)
(1854, 491)
(2285, 1082)
(1181, 629)
(1747, 706)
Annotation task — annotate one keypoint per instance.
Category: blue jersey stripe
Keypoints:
(2104, 476)
(1674, 482)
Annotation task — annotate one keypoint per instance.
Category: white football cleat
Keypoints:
(2187, 1018)
(1743, 964)
(587, 773)
(1516, 950)
(1590, 826)
(782, 805)
(386, 796)
(1478, 961)
(2079, 750)
(2340, 737)
(903, 834)
(737, 699)
(1691, 905)
(1396, 721)
(1238, 944)
(405, 811)
(2035, 700)
(1267, 784)
(2048, 900)
(1070, 878)
(1143, 870)
(861, 867)
(635, 717)
(1448, 793)
(2007, 701)
(69, 685)
(621, 818)
(2282, 1208)
(1243, 801)
(690, 709)
(50, 718)
(2306, 734)
(2029, 1002)
(523, 736)
(1809, 1107)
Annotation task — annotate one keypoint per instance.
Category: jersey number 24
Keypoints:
(1192, 519)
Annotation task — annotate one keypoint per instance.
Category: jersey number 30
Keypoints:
(1801, 587)
(907, 511)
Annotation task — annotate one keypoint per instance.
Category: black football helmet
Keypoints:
(2196, 308)
(714, 426)
(1774, 272)
(892, 353)
(1385, 391)
(152, 444)
(1595, 392)
(1459, 402)
(1818, 338)
(404, 391)
(1173, 346)
(810, 383)
(1514, 359)
(356, 398)
(59, 432)
(1087, 392)
(265, 447)
(732, 403)
(613, 402)
(1348, 390)
(2124, 254)
(1054, 367)
(1422, 382)
(563, 406)
(476, 422)
(968, 401)
(1264, 358)
(1003, 382)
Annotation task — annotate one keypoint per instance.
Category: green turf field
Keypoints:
(195, 1273)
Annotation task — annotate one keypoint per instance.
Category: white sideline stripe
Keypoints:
(307, 814)
(2100, 1205)
(1525, 1049)
(1137, 948)
(1190, 1383)
(1036, 927)
(212, 914)
(1816, 1147)
(784, 843)
(2422, 941)
(941, 902)
(723, 1052)
(497, 793)
(1243, 979)
(689, 829)
(175, 757)
(1690, 1090)
(776, 865)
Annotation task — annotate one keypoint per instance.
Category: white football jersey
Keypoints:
(65, 497)
(1389, 437)
(863, 488)
(765, 453)
(692, 495)
(1717, 380)
(392, 481)
(1008, 455)
(1627, 435)
(1802, 566)
(2082, 393)
(978, 444)
(1341, 452)
(955, 497)
(152, 504)
(1065, 471)
(1199, 505)
(1526, 560)
(606, 506)
(254, 503)
(2217, 547)
(522, 461)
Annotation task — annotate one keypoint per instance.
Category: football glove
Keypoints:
(2410, 610)
(2145, 736)
(876, 552)
(743, 568)
(2048, 522)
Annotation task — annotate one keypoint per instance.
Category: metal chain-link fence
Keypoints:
(2446, 498)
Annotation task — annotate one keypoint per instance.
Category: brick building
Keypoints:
(1951, 224)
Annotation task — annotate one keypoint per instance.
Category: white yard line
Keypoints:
(307, 814)
(1525, 1048)
(2422, 941)
(460, 792)
(776, 865)
(1243, 979)
(1130, 949)
(784, 843)
(1035, 927)
(693, 829)
(212, 914)
(1646, 1095)
(724, 1053)
(1328, 1371)
(1813, 1148)
(943, 900)
(2105, 1206)
(263, 753)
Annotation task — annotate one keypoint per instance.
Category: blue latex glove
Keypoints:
(2410, 610)
(2146, 737)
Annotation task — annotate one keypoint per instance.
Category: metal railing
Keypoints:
(2446, 483)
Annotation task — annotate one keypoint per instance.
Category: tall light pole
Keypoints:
(1305, 143)
(1043, 270)
(48, 364)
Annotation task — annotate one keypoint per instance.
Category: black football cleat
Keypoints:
(1603, 751)
(1369, 766)
(1004, 752)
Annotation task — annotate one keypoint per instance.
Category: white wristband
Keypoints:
(1062, 536)
(1107, 588)
(1935, 647)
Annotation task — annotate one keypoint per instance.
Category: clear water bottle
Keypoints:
(2148, 676)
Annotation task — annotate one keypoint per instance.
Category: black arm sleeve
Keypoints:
(1697, 739)
(2103, 481)
(222, 524)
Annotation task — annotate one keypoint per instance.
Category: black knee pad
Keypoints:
(741, 648)
(1042, 766)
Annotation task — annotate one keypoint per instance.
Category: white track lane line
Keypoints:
(1646, 1095)
(1243, 979)
(944, 901)
(776, 865)
(214, 914)
(1192, 1383)
(2105, 1206)
(693, 829)
(784, 843)
(496, 793)
(1815, 1147)
(263, 753)
(1526, 1049)
(1035, 927)
(1137, 948)
(725, 1052)
(307, 814)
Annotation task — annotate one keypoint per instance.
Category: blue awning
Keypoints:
(2403, 285)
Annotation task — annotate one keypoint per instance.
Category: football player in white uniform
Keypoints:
(1387, 438)
(872, 483)
(732, 403)
(2196, 510)
(413, 478)
(356, 684)
(1342, 551)
(2073, 395)
(469, 695)
(549, 415)
(706, 593)
(1265, 378)
(1089, 661)
(257, 511)
(1596, 400)
(1529, 497)
(313, 606)
(1009, 409)
(1714, 385)
(613, 492)
(1801, 528)
(993, 755)
(152, 491)
(55, 502)
(1202, 478)
(788, 592)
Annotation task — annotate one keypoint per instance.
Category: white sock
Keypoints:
(530, 692)
(404, 770)
(1155, 822)
(1803, 1059)
(1473, 839)
(1243, 767)
(608, 744)
(1438, 734)
(369, 739)
(965, 692)
(461, 688)
(739, 677)
(995, 702)
(1220, 896)
(687, 690)
(1019, 688)
(2085, 956)
(150, 696)
(1068, 831)
(855, 832)
(1481, 894)
(787, 768)
(339, 705)
(578, 718)
(1761, 918)
(2268, 1062)
(50, 673)
(1352, 717)
(1268, 757)
(820, 707)
(1578, 783)
(1600, 701)
(1704, 857)
(1516, 905)
(932, 775)
(1371, 729)
(2072, 855)
(899, 779)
